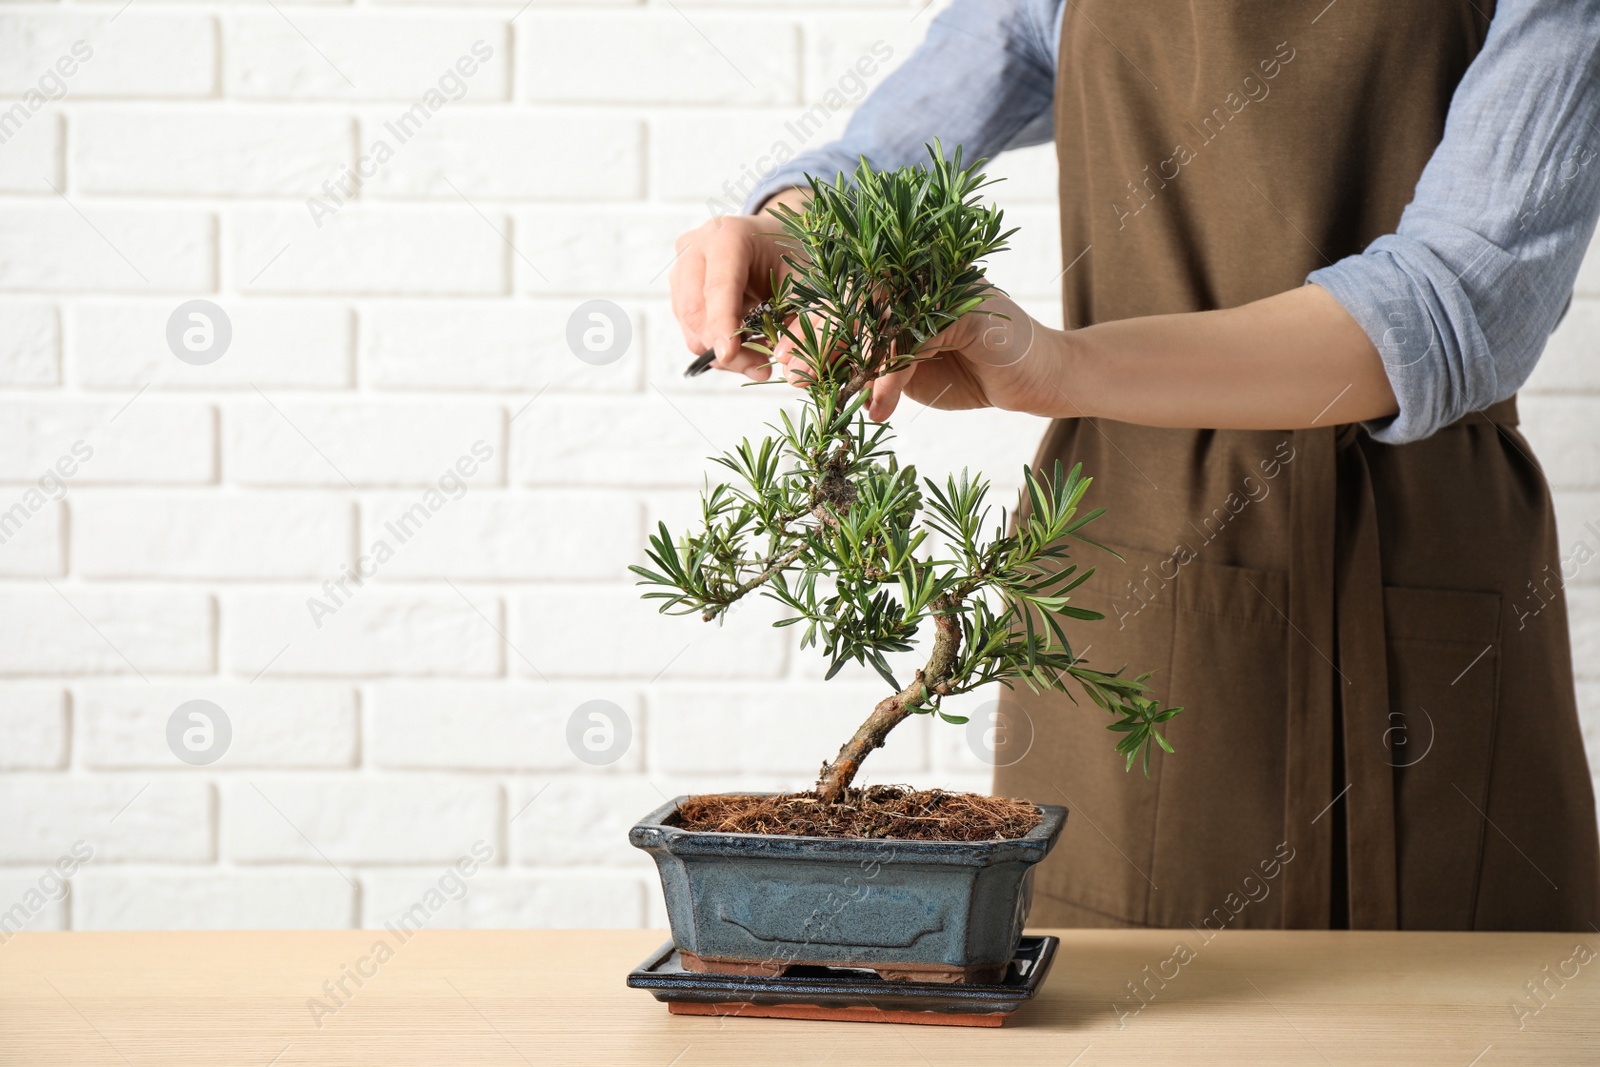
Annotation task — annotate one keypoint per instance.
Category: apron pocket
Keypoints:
(1444, 660)
(1168, 850)
(1219, 832)
(1102, 865)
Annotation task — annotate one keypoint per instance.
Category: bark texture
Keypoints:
(893, 710)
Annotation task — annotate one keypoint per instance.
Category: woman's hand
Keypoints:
(725, 267)
(1285, 362)
(1292, 360)
(998, 356)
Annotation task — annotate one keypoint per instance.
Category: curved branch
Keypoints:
(893, 710)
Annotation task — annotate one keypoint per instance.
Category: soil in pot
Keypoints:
(876, 812)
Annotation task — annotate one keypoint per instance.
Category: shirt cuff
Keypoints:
(1422, 322)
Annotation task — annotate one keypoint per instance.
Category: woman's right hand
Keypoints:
(997, 356)
(725, 267)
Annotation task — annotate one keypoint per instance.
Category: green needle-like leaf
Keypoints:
(821, 517)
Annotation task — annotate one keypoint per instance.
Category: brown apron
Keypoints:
(1381, 730)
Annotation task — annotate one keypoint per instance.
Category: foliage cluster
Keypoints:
(862, 551)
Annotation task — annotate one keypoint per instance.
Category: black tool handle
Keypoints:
(701, 364)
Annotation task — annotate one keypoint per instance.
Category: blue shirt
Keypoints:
(1459, 300)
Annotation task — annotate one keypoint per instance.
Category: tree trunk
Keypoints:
(893, 710)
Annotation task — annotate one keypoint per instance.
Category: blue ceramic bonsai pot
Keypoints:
(930, 911)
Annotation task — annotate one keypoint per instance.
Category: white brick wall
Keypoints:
(190, 511)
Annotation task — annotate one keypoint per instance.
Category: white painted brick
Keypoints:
(1568, 363)
(980, 782)
(1589, 713)
(652, 441)
(415, 819)
(122, 818)
(487, 726)
(1031, 268)
(789, 731)
(398, 331)
(31, 161)
(438, 251)
(278, 442)
(623, 250)
(156, 900)
(666, 355)
(33, 721)
(135, 440)
(1588, 282)
(810, 665)
(132, 53)
(917, 9)
(1047, 309)
(107, 249)
(736, 780)
(1578, 525)
(851, 57)
(276, 535)
(372, 633)
(74, 630)
(407, 902)
(546, 535)
(32, 541)
(509, 156)
(486, 345)
(655, 906)
(663, 57)
(995, 443)
(722, 154)
(123, 345)
(32, 900)
(583, 820)
(1025, 176)
(609, 632)
(528, 3)
(1589, 716)
(1565, 439)
(30, 343)
(366, 56)
(679, 509)
(273, 724)
(493, 900)
(1583, 605)
(208, 153)
(953, 754)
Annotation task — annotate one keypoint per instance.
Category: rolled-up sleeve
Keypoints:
(1461, 298)
(983, 79)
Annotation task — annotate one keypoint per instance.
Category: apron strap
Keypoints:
(1309, 787)
(1364, 692)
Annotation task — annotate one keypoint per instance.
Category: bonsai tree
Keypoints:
(823, 518)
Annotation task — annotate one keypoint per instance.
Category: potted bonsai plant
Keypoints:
(870, 560)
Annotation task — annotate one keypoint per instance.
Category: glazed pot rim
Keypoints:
(654, 832)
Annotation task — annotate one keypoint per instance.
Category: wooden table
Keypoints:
(557, 997)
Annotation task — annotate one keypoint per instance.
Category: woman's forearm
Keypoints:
(1290, 361)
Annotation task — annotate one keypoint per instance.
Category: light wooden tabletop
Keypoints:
(557, 997)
